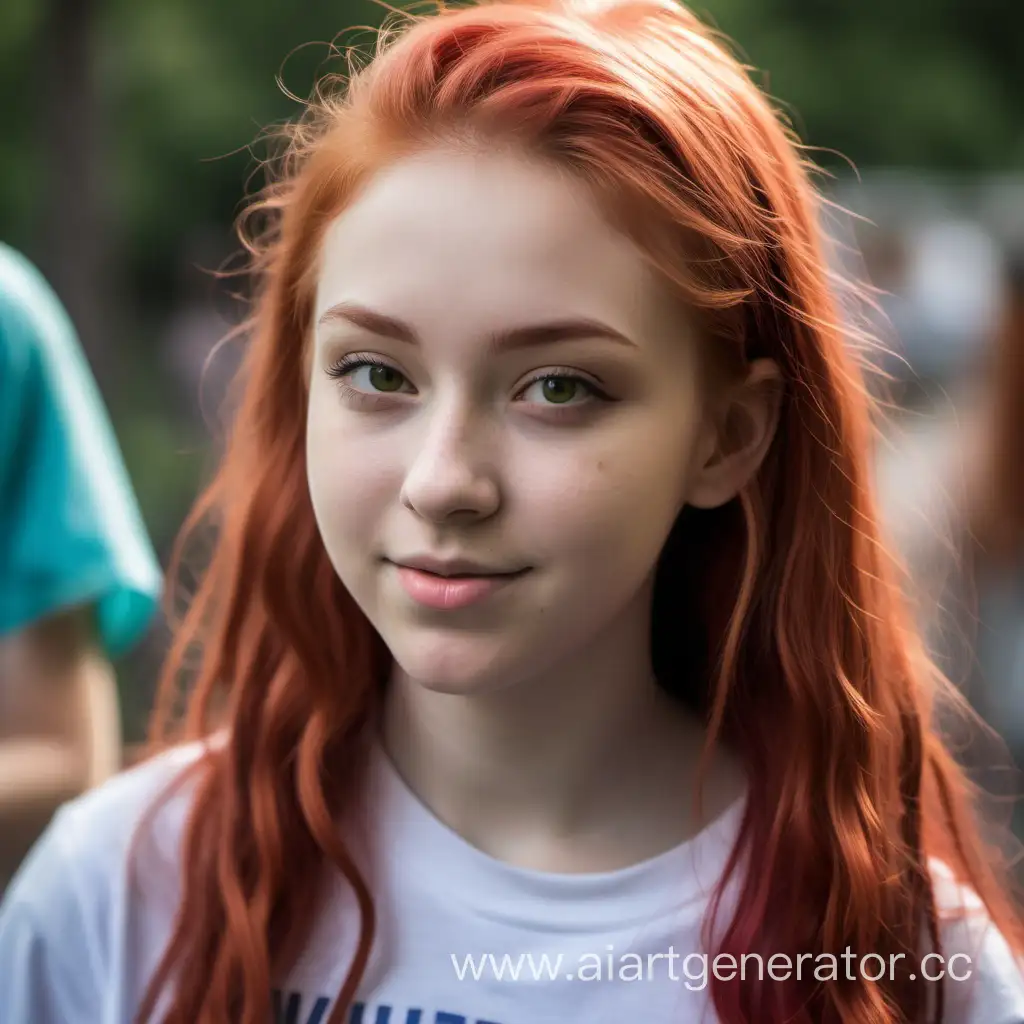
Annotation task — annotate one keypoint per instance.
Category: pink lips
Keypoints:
(435, 591)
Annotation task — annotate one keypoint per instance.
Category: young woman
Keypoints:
(550, 664)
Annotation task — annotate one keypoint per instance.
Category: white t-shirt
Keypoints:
(461, 938)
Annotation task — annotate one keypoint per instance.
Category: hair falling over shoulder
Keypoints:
(791, 601)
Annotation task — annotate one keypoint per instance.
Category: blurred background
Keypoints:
(126, 152)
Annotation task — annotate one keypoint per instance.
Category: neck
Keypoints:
(588, 767)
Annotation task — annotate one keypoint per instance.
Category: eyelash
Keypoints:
(564, 373)
(344, 366)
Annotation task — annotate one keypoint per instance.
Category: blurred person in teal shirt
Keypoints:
(79, 581)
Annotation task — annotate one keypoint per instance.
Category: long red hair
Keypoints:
(778, 617)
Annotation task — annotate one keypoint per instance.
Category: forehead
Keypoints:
(485, 240)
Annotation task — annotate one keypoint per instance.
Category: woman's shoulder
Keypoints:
(103, 821)
(982, 975)
(64, 917)
(92, 835)
(86, 913)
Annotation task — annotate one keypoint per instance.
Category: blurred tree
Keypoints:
(69, 128)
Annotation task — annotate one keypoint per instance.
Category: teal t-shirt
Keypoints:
(70, 528)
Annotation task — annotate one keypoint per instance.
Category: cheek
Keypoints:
(350, 484)
(617, 499)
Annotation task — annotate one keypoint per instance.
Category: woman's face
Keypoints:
(505, 418)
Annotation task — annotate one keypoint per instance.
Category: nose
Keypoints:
(450, 475)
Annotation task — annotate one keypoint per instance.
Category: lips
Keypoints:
(455, 567)
(451, 585)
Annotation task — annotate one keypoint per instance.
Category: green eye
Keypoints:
(384, 378)
(559, 390)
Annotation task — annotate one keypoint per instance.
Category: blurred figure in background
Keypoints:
(953, 492)
(995, 522)
(79, 582)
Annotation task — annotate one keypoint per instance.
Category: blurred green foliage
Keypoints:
(185, 86)
(933, 83)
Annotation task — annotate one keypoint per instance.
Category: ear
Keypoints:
(740, 429)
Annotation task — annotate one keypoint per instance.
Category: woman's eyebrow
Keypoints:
(516, 337)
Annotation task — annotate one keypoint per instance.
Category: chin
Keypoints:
(462, 666)
(452, 687)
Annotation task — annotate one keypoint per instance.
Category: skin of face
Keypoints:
(464, 440)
